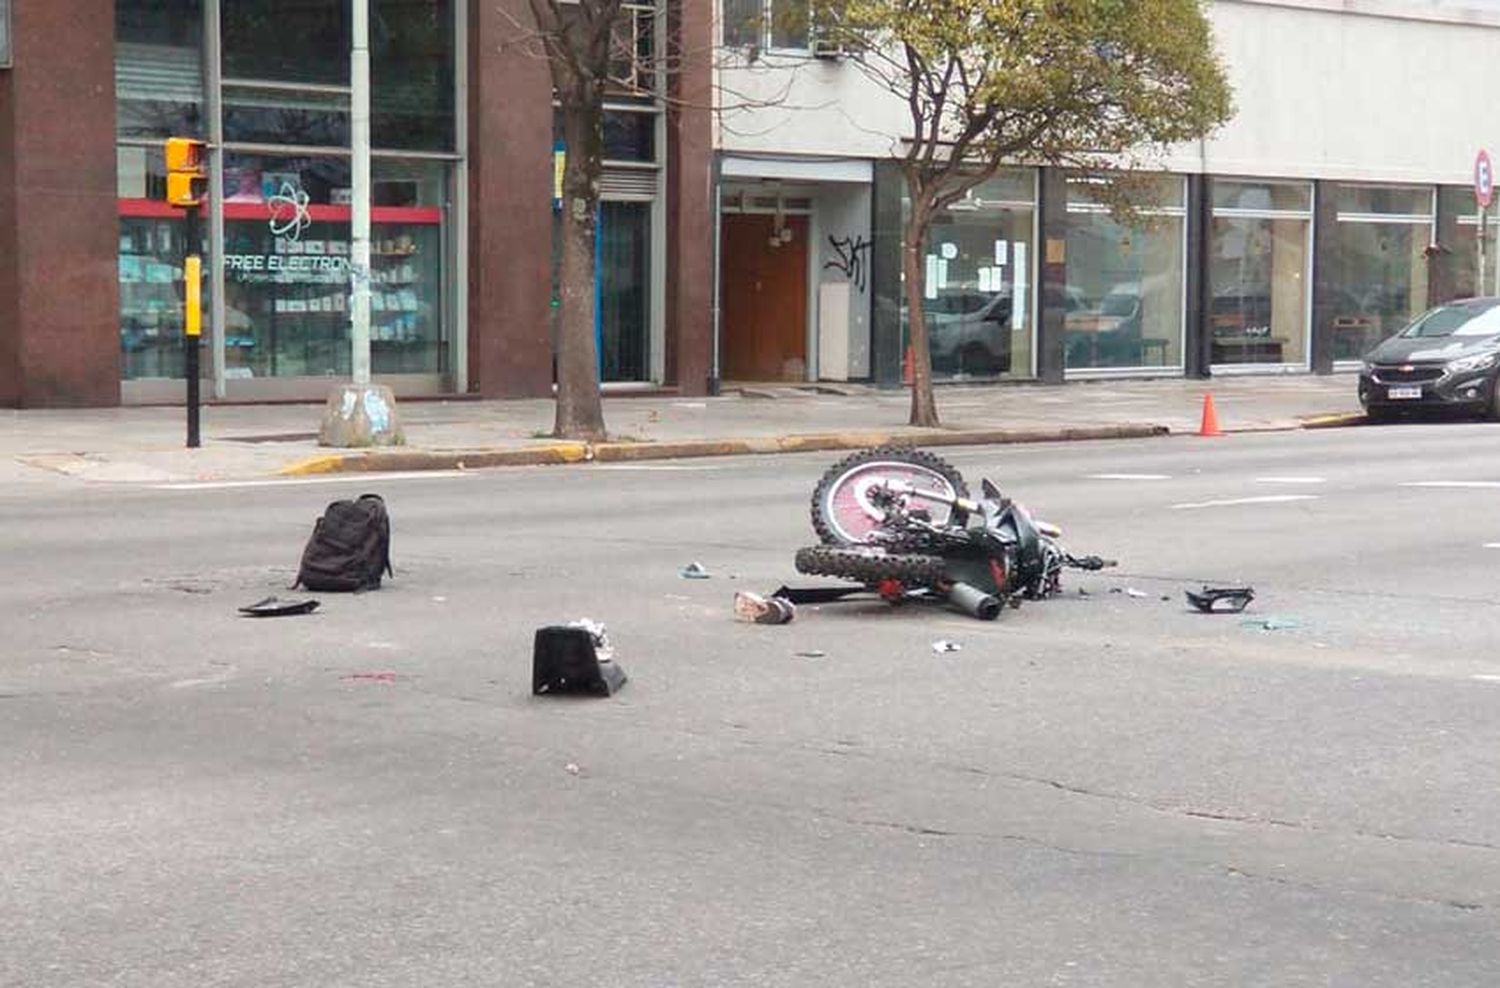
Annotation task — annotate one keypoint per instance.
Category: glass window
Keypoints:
(286, 267)
(158, 68)
(1408, 200)
(1460, 234)
(1258, 273)
(411, 75)
(286, 41)
(742, 23)
(1377, 275)
(4, 34)
(625, 291)
(1146, 191)
(151, 292)
(628, 135)
(266, 115)
(1125, 281)
(789, 23)
(1279, 197)
(978, 281)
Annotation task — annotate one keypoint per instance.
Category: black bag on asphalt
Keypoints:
(350, 547)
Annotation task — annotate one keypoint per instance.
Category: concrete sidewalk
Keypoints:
(143, 445)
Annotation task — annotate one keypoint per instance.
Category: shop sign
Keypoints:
(4, 34)
(1484, 180)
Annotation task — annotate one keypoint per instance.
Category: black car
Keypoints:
(1447, 357)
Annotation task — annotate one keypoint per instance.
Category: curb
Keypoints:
(614, 452)
(1335, 421)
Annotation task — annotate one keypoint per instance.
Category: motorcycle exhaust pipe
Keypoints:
(974, 602)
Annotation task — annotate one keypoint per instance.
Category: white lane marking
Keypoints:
(1453, 483)
(1485, 677)
(1290, 480)
(373, 477)
(1265, 499)
(658, 467)
(1129, 476)
(1492, 545)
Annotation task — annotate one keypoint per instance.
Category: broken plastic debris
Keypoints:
(944, 645)
(755, 609)
(572, 768)
(279, 607)
(1272, 623)
(812, 653)
(694, 571)
(1223, 600)
(1133, 592)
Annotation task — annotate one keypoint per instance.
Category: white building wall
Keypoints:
(1390, 90)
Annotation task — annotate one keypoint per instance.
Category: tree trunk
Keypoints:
(580, 412)
(923, 405)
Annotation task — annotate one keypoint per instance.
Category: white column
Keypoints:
(359, 233)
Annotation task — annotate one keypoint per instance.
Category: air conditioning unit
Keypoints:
(828, 49)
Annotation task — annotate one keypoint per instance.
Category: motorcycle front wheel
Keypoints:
(871, 566)
(842, 513)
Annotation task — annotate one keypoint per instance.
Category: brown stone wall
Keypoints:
(10, 370)
(690, 234)
(510, 217)
(57, 142)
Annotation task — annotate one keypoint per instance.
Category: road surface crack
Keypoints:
(1458, 904)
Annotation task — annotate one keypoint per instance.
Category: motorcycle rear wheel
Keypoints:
(871, 566)
(841, 511)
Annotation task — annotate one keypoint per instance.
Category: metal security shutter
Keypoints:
(157, 72)
(628, 184)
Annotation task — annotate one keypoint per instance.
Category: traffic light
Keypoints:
(187, 172)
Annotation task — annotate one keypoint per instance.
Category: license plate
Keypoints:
(1410, 391)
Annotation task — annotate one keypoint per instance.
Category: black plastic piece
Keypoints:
(817, 595)
(1233, 599)
(279, 607)
(565, 660)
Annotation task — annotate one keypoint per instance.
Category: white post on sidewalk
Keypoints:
(359, 220)
(360, 414)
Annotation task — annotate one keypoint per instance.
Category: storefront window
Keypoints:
(259, 114)
(978, 281)
(411, 74)
(1377, 274)
(286, 41)
(151, 292)
(286, 267)
(1125, 281)
(1460, 234)
(158, 69)
(1258, 257)
(286, 67)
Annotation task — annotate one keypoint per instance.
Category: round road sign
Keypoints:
(1484, 180)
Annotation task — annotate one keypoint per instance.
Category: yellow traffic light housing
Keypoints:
(187, 171)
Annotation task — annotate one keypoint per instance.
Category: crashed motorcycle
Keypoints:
(900, 522)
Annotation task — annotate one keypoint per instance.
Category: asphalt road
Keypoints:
(1102, 789)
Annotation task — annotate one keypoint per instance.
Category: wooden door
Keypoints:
(764, 299)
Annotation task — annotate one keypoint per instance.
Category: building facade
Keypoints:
(463, 164)
(751, 223)
(1332, 208)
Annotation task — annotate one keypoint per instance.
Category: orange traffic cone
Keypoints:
(1210, 424)
(906, 367)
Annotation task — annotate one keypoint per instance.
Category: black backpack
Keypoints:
(350, 547)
